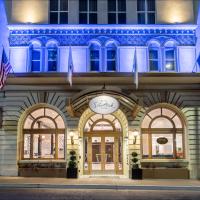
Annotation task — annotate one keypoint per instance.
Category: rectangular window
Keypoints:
(52, 59)
(87, 11)
(111, 60)
(153, 60)
(35, 63)
(146, 11)
(94, 60)
(170, 59)
(58, 12)
(116, 11)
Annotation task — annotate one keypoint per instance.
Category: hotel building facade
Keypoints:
(135, 87)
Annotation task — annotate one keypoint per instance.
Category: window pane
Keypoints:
(44, 123)
(53, 5)
(140, 5)
(51, 113)
(153, 54)
(145, 145)
(170, 66)
(112, 18)
(111, 5)
(63, 18)
(83, 5)
(27, 142)
(153, 65)
(94, 54)
(167, 112)
(141, 18)
(35, 66)
(151, 18)
(35, 54)
(52, 66)
(43, 145)
(93, 5)
(177, 122)
(122, 18)
(151, 5)
(53, 18)
(83, 18)
(61, 146)
(111, 66)
(37, 113)
(179, 146)
(121, 5)
(162, 150)
(111, 54)
(154, 113)
(64, 5)
(28, 122)
(169, 54)
(52, 54)
(60, 122)
(94, 65)
(93, 18)
(146, 121)
(161, 122)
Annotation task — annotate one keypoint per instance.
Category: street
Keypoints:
(72, 194)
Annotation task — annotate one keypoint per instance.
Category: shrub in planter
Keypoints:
(136, 171)
(72, 170)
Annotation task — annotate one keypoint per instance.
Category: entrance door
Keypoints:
(103, 154)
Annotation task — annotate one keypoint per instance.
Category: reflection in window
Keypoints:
(162, 128)
(170, 56)
(94, 57)
(58, 11)
(87, 11)
(146, 11)
(116, 11)
(43, 135)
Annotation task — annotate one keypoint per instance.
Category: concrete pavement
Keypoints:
(114, 183)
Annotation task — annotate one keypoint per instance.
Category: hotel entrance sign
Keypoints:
(104, 104)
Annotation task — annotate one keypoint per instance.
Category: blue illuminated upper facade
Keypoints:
(102, 48)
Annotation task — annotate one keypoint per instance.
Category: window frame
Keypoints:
(38, 131)
(59, 11)
(88, 12)
(146, 12)
(158, 60)
(117, 12)
(174, 48)
(172, 131)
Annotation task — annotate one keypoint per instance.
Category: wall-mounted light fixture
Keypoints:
(71, 134)
(133, 135)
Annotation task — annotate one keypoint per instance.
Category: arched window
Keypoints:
(170, 56)
(52, 53)
(100, 122)
(94, 57)
(43, 135)
(162, 134)
(154, 56)
(35, 56)
(111, 56)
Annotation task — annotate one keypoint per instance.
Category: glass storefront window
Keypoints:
(162, 135)
(44, 135)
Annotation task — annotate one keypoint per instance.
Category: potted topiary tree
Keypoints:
(72, 170)
(136, 171)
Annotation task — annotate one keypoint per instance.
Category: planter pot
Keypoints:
(72, 172)
(137, 174)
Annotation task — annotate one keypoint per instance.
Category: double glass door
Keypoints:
(103, 154)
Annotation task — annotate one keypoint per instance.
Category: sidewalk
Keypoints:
(98, 183)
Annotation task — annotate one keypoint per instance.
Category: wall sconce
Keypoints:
(71, 134)
(133, 135)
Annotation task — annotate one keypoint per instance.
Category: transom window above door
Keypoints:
(99, 122)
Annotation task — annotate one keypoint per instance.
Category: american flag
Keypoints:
(4, 69)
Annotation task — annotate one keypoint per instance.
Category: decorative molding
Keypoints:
(82, 35)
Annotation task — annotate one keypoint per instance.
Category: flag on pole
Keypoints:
(135, 70)
(5, 68)
(70, 66)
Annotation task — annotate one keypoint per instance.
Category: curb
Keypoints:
(98, 187)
